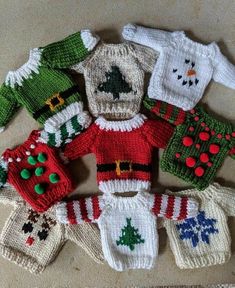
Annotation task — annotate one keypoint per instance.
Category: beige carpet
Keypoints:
(26, 24)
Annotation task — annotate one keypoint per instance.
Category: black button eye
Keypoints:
(193, 64)
(42, 234)
(27, 227)
(187, 61)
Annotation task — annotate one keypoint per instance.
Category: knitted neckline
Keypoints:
(125, 202)
(111, 49)
(25, 71)
(124, 126)
(205, 49)
(207, 190)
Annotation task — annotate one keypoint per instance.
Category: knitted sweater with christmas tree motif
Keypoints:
(49, 95)
(114, 77)
(127, 224)
(184, 67)
(204, 240)
(198, 146)
(123, 151)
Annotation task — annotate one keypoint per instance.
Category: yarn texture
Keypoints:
(123, 151)
(184, 67)
(32, 240)
(128, 225)
(204, 240)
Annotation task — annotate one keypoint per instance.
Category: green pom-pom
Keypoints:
(39, 189)
(54, 178)
(25, 174)
(42, 157)
(32, 160)
(39, 171)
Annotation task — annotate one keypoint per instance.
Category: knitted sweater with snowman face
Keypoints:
(184, 67)
(128, 224)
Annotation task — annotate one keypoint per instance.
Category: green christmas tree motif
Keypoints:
(130, 236)
(115, 83)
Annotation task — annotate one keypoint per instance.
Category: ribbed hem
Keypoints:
(203, 261)
(135, 263)
(21, 259)
(53, 123)
(112, 186)
(119, 110)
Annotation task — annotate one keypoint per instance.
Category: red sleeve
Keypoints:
(157, 132)
(82, 144)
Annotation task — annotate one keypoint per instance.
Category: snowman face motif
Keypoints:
(41, 230)
(189, 77)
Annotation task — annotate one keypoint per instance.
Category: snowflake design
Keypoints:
(197, 229)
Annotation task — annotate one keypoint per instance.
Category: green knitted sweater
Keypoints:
(47, 92)
(199, 144)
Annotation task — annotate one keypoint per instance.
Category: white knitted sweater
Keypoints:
(204, 240)
(127, 224)
(184, 67)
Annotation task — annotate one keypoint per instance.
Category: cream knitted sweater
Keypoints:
(204, 240)
(184, 67)
(114, 77)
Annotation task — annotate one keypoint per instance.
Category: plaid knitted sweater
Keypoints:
(204, 240)
(37, 173)
(49, 95)
(184, 67)
(127, 224)
(123, 151)
(198, 146)
(114, 78)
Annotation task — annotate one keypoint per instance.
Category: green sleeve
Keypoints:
(8, 105)
(69, 51)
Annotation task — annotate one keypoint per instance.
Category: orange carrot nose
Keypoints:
(191, 72)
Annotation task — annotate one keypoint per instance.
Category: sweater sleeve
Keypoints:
(174, 207)
(9, 195)
(82, 144)
(147, 57)
(168, 112)
(69, 51)
(79, 211)
(153, 38)
(224, 71)
(8, 105)
(225, 198)
(157, 132)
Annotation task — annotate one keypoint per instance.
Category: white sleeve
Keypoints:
(149, 37)
(224, 71)
(225, 198)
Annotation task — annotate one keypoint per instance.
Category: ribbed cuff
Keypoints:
(21, 259)
(88, 39)
(129, 31)
(2, 129)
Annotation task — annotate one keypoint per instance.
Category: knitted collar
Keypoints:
(123, 126)
(25, 71)
(110, 49)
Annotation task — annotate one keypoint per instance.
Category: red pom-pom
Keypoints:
(209, 164)
(192, 111)
(212, 132)
(191, 128)
(227, 136)
(187, 141)
(204, 136)
(190, 162)
(196, 118)
(214, 148)
(233, 134)
(198, 146)
(203, 124)
(207, 129)
(177, 155)
(219, 136)
(199, 171)
(204, 158)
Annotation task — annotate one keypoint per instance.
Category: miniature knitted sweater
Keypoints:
(114, 78)
(32, 240)
(198, 146)
(184, 67)
(49, 95)
(37, 173)
(204, 240)
(127, 224)
(123, 151)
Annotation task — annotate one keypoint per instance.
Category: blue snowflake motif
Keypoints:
(197, 229)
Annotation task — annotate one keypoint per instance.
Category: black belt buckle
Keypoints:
(123, 166)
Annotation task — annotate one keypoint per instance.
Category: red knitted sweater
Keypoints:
(123, 151)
